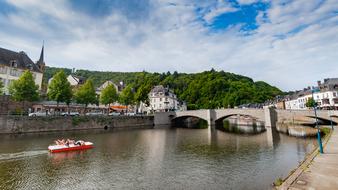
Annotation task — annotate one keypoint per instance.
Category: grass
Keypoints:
(78, 120)
(325, 131)
(278, 182)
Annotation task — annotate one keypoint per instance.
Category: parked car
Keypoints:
(114, 113)
(72, 113)
(93, 113)
(130, 114)
(41, 113)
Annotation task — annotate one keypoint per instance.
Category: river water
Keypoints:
(160, 158)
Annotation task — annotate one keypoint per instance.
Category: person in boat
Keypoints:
(79, 142)
(59, 142)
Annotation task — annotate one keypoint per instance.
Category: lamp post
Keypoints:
(331, 118)
(318, 130)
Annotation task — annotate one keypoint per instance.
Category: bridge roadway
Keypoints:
(268, 115)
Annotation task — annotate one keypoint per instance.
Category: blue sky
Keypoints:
(290, 44)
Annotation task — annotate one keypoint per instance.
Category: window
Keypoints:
(13, 63)
(334, 94)
(160, 99)
(160, 105)
(15, 72)
(3, 69)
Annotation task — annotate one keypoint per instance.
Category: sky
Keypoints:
(289, 44)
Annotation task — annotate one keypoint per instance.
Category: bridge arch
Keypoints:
(322, 120)
(220, 119)
(189, 121)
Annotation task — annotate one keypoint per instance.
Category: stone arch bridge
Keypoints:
(268, 115)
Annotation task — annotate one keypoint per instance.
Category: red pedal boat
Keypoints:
(71, 147)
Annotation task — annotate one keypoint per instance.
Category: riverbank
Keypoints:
(25, 124)
(315, 172)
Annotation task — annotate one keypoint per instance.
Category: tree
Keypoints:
(24, 89)
(60, 89)
(142, 94)
(1, 87)
(85, 94)
(108, 96)
(127, 97)
(310, 103)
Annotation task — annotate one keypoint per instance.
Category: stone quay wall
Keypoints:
(25, 124)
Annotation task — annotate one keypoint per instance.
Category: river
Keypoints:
(160, 158)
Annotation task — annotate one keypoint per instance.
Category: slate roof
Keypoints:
(22, 60)
(78, 79)
(160, 88)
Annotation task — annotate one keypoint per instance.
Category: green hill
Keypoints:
(208, 89)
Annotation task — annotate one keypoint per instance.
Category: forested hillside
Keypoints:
(208, 89)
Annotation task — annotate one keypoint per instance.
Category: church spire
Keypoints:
(41, 55)
(41, 62)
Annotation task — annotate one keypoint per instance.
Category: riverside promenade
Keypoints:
(322, 173)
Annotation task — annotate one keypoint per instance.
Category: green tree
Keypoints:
(127, 97)
(1, 87)
(310, 103)
(108, 96)
(142, 94)
(60, 89)
(85, 94)
(24, 89)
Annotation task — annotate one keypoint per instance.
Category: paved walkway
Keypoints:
(322, 173)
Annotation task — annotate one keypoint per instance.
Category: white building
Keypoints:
(326, 98)
(119, 87)
(75, 80)
(13, 64)
(72, 79)
(162, 99)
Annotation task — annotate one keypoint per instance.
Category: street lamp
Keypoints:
(330, 114)
(318, 130)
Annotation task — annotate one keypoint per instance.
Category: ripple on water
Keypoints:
(21, 155)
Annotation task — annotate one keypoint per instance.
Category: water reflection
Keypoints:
(234, 127)
(167, 158)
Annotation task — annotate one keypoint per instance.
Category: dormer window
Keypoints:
(14, 63)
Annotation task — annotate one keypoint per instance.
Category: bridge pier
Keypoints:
(211, 115)
(270, 116)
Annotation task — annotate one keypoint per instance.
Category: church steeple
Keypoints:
(41, 62)
(41, 55)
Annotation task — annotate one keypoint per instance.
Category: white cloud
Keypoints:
(217, 12)
(172, 38)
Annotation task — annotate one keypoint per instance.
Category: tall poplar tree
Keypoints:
(108, 96)
(127, 97)
(85, 94)
(60, 89)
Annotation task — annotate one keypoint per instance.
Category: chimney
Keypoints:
(319, 83)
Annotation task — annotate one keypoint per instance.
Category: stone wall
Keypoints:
(25, 124)
(8, 106)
